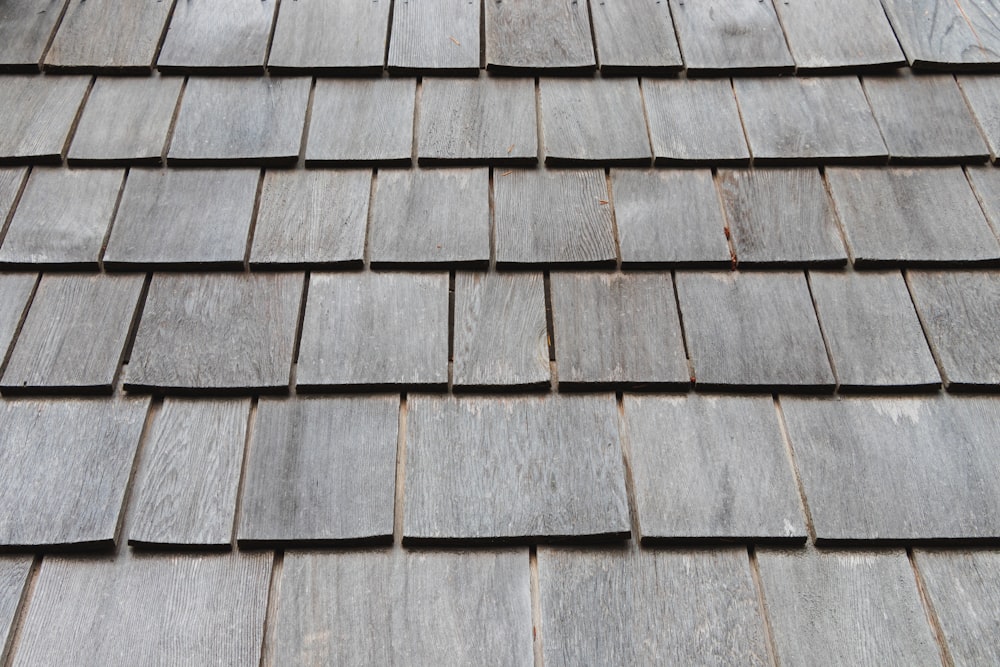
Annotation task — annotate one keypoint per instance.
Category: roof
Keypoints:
(608, 332)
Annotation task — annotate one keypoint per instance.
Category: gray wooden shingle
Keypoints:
(375, 329)
(983, 95)
(15, 290)
(753, 330)
(38, 113)
(640, 607)
(559, 217)
(711, 468)
(320, 471)
(431, 217)
(189, 474)
(898, 469)
(11, 183)
(526, 35)
(66, 468)
(535, 469)
(62, 218)
(936, 34)
(635, 35)
(984, 18)
(240, 121)
(434, 37)
(74, 334)
(619, 329)
(304, 42)
(221, 35)
(405, 608)
(986, 184)
(361, 121)
(105, 35)
(25, 29)
(14, 572)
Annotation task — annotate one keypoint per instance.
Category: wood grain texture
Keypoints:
(525, 35)
(500, 330)
(525, 469)
(781, 217)
(911, 216)
(361, 121)
(321, 471)
(66, 467)
(223, 35)
(635, 35)
(557, 217)
(14, 571)
(845, 608)
(711, 468)
(25, 29)
(640, 607)
(224, 331)
(435, 37)
(898, 469)
(593, 120)
(986, 184)
(38, 113)
(148, 610)
(303, 41)
(11, 184)
(103, 35)
(753, 330)
(311, 218)
(935, 34)
(405, 608)
(189, 474)
(730, 36)
(925, 119)
(617, 329)
(375, 329)
(162, 218)
(984, 18)
(872, 331)
(15, 290)
(62, 218)
(983, 95)
(486, 119)
(693, 121)
(74, 334)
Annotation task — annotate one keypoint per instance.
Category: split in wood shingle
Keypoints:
(935, 34)
(635, 35)
(525, 35)
(305, 42)
(435, 37)
(983, 95)
(14, 572)
(38, 113)
(15, 290)
(219, 35)
(25, 29)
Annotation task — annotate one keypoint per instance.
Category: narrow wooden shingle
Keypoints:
(983, 95)
(320, 471)
(935, 34)
(14, 571)
(635, 35)
(66, 468)
(189, 474)
(15, 290)
(304, 42)
(11, 181)
(985, 181)
(38, 112)
(105, 35)
(526, 35)
(711, 468)
(525, 469)
(217, 35)
(435, 37)
(25, 29)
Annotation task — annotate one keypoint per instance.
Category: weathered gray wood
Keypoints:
(222, 35)
(25, 29)
(204, 609)
(781, 217)
(984, 18)
(66, 468)
(525, 469)
(216, 331)
(11, 183)
(635, 35)
(74, 334)
(711, 468)
(936, 34)
(15, 290)
(959, 310)
(434, 37)
(925, 119)
(692, 121)
(985, 183)
(500, 330)
(826, 35)
(559, 217)
(983, 95)
(311, 218)
(14, 571)
(431, 217)
(845, 608)
(639, 607)
(164, 216)
(730, 36)
(619, 329)
(240, 121)
(304, 42)
(753, 330)
(375, 329)
(38, 112)
(814, 120)
(321, 471)
(485, 119)
(872, 331)
(62, 217)
(593, 120)
(189, 474)
(911, 216)
(526, 35)
(405, 608)
(105, 35)
(361, 121)
(898, 469)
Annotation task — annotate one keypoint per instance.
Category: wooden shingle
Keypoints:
(219, 36)
(525, 35)
(435, 37)
(635, 36)
(303, 41)
(25, 29)
(38, 114)
(730, 37)
(105, 35)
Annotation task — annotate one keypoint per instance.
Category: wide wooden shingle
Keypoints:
(38, 113)
(25, 29)
(526, 35)
(15, 290)
(221, 35)
(106, 35)
(935, 34)
(435, 37)
(304, 42)
(635, 35)
(730, 36)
